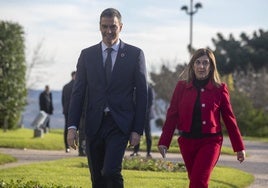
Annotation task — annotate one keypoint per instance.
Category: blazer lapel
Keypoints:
(121, 55)
(99, 63)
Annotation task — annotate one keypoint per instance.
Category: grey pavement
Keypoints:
(256, 162)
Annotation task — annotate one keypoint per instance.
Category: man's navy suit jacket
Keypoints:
(126, 94)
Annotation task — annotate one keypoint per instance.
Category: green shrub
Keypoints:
(251, 121)
(144, 164)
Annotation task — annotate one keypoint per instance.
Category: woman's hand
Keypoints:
(241, 155)
(162, 149)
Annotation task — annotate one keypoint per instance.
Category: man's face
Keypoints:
(47, 89)
(110, 29)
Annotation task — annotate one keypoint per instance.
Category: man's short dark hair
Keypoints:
(111, 12)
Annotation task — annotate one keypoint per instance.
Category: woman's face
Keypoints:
(202, 67)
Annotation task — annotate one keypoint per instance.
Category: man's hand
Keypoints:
(241, 155)
(162, 149)
(134, 139)
(72, 138)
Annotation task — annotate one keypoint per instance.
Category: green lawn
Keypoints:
(23, 138)
(72, 172)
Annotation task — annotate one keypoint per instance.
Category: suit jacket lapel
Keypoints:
(121, 55)
(99, 63)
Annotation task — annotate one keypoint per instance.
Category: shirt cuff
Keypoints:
(72, 127)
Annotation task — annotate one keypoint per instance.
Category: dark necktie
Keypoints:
(108, 65)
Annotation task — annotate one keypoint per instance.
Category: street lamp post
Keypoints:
(191, 12)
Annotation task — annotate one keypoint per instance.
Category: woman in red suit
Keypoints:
(196, 107)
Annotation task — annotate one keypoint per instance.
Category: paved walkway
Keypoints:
(256, 163)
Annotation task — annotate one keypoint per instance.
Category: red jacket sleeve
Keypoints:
(230, 121)
(171, 120)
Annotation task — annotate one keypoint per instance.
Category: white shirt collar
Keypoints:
(115, 47)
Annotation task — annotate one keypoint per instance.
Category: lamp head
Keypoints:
(184, 8)
(198, 5)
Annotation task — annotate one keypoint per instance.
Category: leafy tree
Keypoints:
(234, 55)
(230, 55)
(257, 49)
(12, 74)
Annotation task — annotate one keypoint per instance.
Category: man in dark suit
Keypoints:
(108, 74)
(65, 101)
(46, 103)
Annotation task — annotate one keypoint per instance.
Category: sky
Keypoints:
(159, 27)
